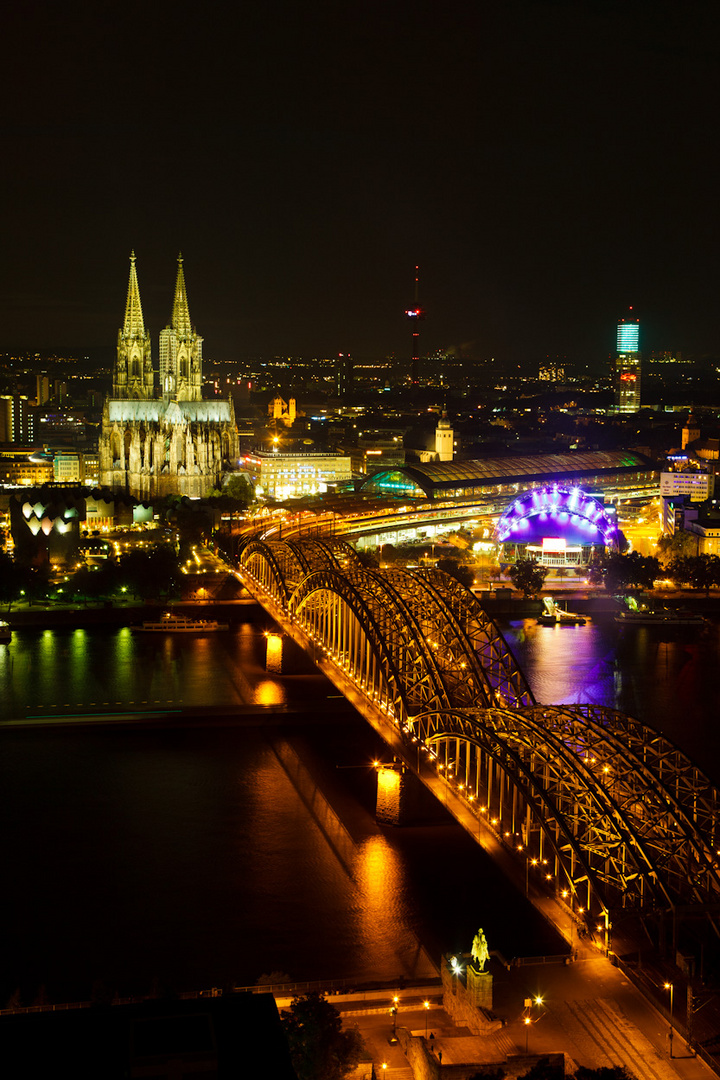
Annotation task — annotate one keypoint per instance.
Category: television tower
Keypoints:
(415, 314)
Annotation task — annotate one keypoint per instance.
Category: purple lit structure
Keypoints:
(558, 526)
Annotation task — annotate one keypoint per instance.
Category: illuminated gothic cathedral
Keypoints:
(164, 439)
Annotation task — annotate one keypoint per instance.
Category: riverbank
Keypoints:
(510, 604)
(586, 602)
(127, 613)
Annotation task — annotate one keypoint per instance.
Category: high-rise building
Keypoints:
(166, 442)
(16, 420)
(344, 372)
(627, 365)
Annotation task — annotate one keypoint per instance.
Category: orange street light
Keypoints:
(669, 986)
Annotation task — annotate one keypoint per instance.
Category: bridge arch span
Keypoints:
(279, 566)
(610, 809)
(480, 668)
(612, 839)
(259, 561)
(360, 620)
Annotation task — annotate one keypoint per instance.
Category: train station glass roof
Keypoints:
(436, 478)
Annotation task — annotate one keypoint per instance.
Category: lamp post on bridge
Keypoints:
(669, 986)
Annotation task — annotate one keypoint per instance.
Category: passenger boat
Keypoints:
(641, 613)
(5, 633)
(172, 623)
(555, 616)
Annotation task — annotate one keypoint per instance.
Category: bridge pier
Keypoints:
(402, 798)
(283, 656)
(389, 803)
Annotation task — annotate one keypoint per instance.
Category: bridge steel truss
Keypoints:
(603, 806)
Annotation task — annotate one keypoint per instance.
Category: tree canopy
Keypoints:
(319, 1047)
(238, 487)
(528, 576)
(680, 543)
(461, 571)
(93, 583)
(617, 572)
(604, 1072)
(697, 571)
(150, 574)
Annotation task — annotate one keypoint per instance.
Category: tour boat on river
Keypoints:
(5, 633)
(172, 623)
(641, 613)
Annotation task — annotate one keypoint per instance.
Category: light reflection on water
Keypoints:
(84, 670)
(382, 908)
(567, 664)
(188, 853)
(665, 677)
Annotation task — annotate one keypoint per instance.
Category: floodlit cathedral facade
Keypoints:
(163, 440)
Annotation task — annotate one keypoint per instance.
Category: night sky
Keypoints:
(546, 164)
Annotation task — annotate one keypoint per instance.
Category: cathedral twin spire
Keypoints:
(134, 325)
(180, 312)
(180, 349)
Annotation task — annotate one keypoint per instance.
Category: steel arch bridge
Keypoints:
(605, 808)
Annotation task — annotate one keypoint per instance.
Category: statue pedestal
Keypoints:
(479, 987)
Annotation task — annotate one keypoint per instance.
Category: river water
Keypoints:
(208, 852)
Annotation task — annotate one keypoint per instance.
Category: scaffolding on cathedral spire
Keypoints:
(181, 313)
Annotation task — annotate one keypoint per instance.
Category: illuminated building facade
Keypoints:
(25, 467)
(683, 479)
(287, 476)
(168, 443)
(690, 431)
(68, 468)
(283, 412)
(627, 366)
(444, 439)
(551, 372)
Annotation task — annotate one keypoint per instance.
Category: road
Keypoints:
(590, 1011)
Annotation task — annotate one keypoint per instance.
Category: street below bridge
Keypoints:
(591, 1012)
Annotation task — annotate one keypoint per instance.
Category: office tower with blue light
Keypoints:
(627, 365)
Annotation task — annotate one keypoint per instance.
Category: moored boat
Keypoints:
(641, 613)
(172, 623)
(553, 615)
(5, 633)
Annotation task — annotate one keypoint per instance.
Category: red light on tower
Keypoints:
(415, 314)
